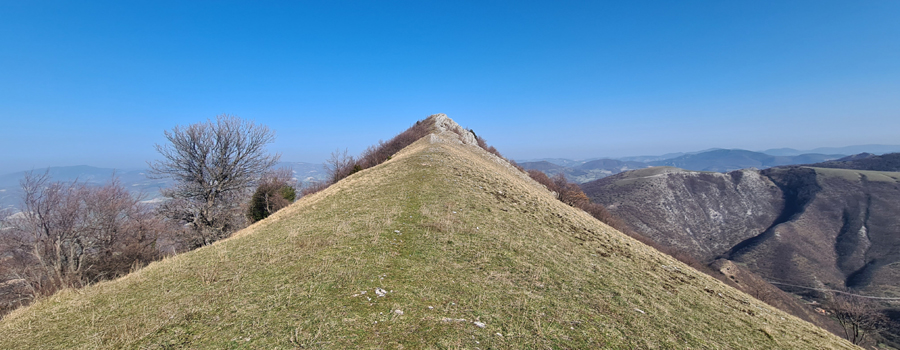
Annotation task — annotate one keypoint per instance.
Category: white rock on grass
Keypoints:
(380, 292)
(479, 324)
(398, 312)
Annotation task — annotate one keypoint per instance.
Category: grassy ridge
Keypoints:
(452, 237)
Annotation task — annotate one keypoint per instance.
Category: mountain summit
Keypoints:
(443, 246)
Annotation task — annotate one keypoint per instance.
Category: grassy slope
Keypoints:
(476, 242)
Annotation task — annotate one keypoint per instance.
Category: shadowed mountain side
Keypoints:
(841, 228)
(443, 246)
(806, 226)
(701, 213)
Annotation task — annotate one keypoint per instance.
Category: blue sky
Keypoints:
(97, 82)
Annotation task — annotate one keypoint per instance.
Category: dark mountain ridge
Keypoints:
(831, 225)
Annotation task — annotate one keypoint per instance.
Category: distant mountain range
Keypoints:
(715, 160)
(875, 149)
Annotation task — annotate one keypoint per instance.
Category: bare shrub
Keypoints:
(214, 165)
(377, 154)
(341, 165)
(72, 234)
(858, 316)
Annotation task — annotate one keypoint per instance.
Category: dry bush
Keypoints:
(70, 234)
(341, 165)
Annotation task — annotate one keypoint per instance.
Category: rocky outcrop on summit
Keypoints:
(444, 124)
(702, 213)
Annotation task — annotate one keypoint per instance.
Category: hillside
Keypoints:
(803, 226)
(701, 213)
(443, 246)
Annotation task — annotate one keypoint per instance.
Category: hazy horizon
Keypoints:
(97, 83)
(137, 168)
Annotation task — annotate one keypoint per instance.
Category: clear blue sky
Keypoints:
(97, 82)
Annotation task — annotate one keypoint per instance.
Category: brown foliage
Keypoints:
(377, 154)
(72, 234)
(341, 165)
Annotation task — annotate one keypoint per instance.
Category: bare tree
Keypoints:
(859, 316)
(214, 165)
(339, 165)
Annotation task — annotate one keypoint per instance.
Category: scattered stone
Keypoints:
(479, 324)
(396, 231)
(430, 307)
(398, 312)
(498, 334)
(380, 292)
(639, 310)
